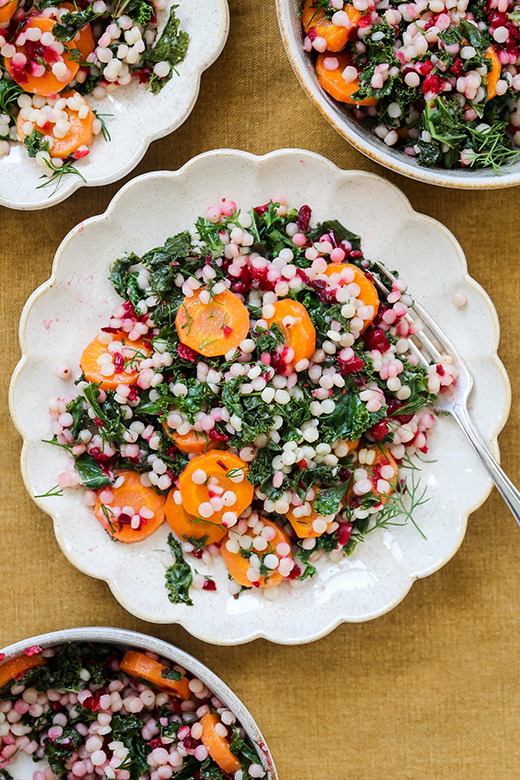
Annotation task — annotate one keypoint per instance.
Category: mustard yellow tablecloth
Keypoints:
(430, 691)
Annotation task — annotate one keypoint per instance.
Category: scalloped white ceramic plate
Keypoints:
(138, 116)
(23, 767)
(62, 315)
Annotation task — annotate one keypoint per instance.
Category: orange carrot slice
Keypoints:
(494, 74)
(218, 471)
(217, 745)
(368, 293)
(132, 352)
(313, 16)
(304, 525)
(15, 668)
(238, 566)
(186, 525)
(140, 666)
(212, 328)
(7, 10)
(80, 133)
(298, 331)
(333, 82)
(47, 83)
(192, 442)
(134, 494)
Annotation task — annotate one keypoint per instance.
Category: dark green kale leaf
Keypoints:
(261, 471)
(125, 280)
(209, 770)
(349, 420)
(170, 674)
(9, 92)
(108, 413)
(171, 47)
(321, 314)
(5, 775)
(90, 82)
(72, 22)
(165, 262)
(255, 414)
(127, 729)
(209, 234)
(341, 232)
(178, 576)
(267, 340)
(80, 417)
(90, 472)
(35, 143)
(328, 500)
(198, 544)
(322, 475)
(61, 672)
(59, 750)
(243, 750)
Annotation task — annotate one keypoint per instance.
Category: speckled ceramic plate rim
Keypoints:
(76, 182)
(372, 150)
(138, 640)
(336, 171)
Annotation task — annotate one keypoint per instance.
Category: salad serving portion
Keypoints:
(256, 390)
(438, 80)
(92, 710)
(54, 56)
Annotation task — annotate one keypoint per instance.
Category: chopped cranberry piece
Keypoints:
(99, 422)
(380, 430)
(119, 363)
(375, 338)
(186, 353)
(98, 455)
(343, 532)
(304, 214)
(440, 370)
(425, 67)
(227, 331)
(432, 83)
(261, 209)
(216, 435)
(351, 366)
(209, 585)
(133, 394)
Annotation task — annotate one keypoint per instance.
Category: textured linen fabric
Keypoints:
(430, 691)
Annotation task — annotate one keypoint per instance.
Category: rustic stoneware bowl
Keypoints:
(23, 767)
(136, 116)
(62, 316)
(359, 136)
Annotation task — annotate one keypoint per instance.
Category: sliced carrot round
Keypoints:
(368, 293)
(212, 328)
(208, 477)
(34, 76)
(217, 745)
(15, 668)
(130, 355)
(192, 442)
(140, 666)
(494, 74)
(79, 134)
(7, 10)
(298, 331)
(313, 17)
(131, 495)
(186, 526)
(238, 566)
(333, 82)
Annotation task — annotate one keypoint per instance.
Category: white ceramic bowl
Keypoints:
(64, 313)
(342, 120)
(138, 116)
(23, 769)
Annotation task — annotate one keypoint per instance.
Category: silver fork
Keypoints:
(455, 400)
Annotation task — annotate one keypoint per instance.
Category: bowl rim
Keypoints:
(123, 636)
(437, 176)
(76, 182)
(259, 633)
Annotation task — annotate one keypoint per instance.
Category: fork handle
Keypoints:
(504, 485)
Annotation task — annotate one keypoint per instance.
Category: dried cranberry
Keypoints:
(303, 276)
(133, 395)
(295, 572)
(343, 533)
(124, 519)
(356, 254)
(375, 338)
(261, 209)
(351, 366)
(304, 214)
(440, 370)
(156, 743)
(197, 554)
(186, 353)
(457, 67)
(209, 585)
(56, 706)
(99, 456)
(365, 21)
(227, 331)
(379, 430)
(393, 411)
(190, 743)
(425, 67)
